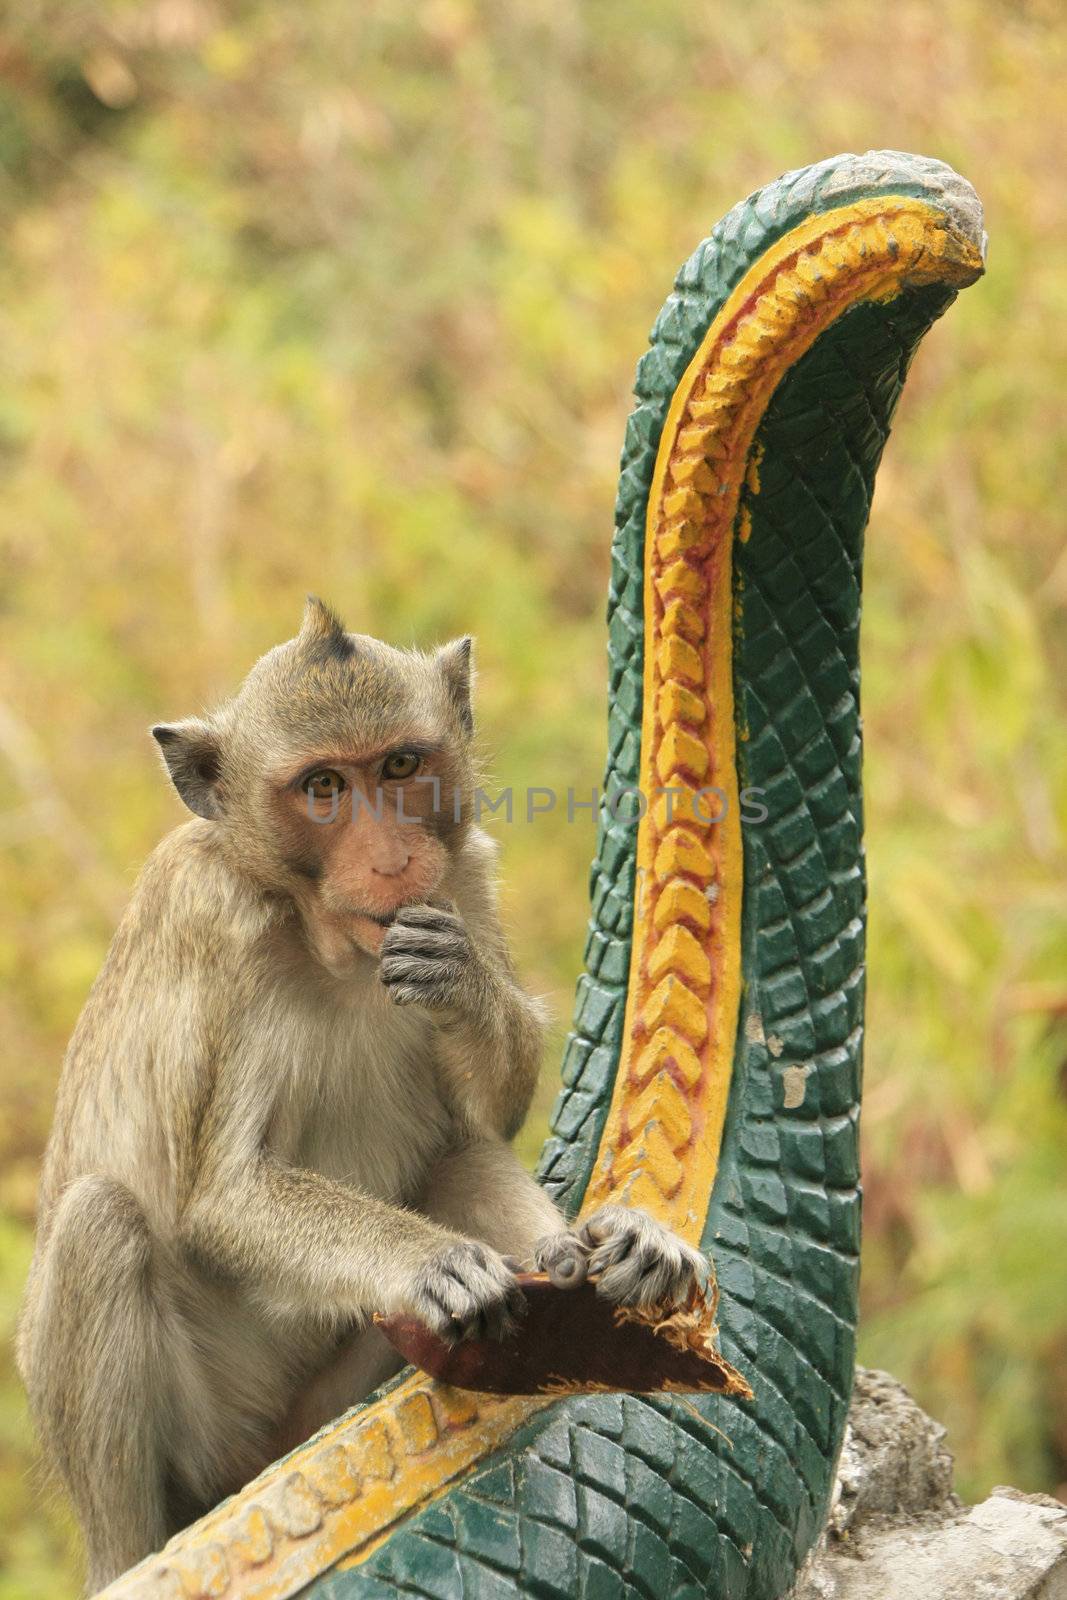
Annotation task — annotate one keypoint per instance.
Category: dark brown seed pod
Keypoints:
(571, 1340)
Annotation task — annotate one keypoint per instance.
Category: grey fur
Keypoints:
(259, 1141)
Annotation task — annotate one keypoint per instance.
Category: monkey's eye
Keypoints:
(400, 765)
(324, 785)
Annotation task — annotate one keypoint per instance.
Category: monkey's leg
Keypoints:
(93, 1373)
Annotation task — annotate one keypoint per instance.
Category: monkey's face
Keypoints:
(365, 832)
(340, 775)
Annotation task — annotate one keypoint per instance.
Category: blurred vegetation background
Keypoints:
(348, 298)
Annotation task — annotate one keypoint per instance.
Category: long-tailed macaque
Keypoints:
(288, 1100)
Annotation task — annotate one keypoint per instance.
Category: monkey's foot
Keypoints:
(466, 1291)
(636, 1260)
(639, 1262)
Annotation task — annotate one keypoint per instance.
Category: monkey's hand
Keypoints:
(464, 1290)
(637, 1261)
(428, 958)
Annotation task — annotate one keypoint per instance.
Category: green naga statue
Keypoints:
(713, 1071)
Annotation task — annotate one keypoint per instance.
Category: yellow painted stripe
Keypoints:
(864, 251)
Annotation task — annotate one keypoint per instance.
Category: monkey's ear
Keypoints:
(191, 752)
(455, 664)
(322, 633)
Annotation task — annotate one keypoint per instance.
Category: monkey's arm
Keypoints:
(482, 1189)
(304, 1241)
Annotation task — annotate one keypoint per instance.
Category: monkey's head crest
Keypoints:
(323, 636)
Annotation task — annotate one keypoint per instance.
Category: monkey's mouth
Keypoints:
(366, 929)
(383, 919)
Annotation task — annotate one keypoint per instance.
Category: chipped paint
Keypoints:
(794, 1086)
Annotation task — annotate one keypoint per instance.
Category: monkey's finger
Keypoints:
(462, 1305)
(612, 1251)
(657, 1271)
(404, 994)
(429, 988)
(424, 914)
(488, 1319)
(440, 902)
(693, 1274)
(628, 1285)
(600, 1266)
(501, 1305)
(425, 940)
(432, 934)
(400, 967)
(471, 1273)
(435, 1313)
(438, 996)
(501, 1274)
(407, 931)
(564, 1257)
(502, 1316)
(642, 1272)
(658, 1274)
(421, 936)
(608, 1221)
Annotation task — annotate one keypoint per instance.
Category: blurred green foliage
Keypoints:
(348, 299)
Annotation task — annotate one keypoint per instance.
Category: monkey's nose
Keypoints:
(396, 870)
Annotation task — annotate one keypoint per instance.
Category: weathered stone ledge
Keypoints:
(897, 1531)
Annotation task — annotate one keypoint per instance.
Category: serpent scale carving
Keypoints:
(713, 1070)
